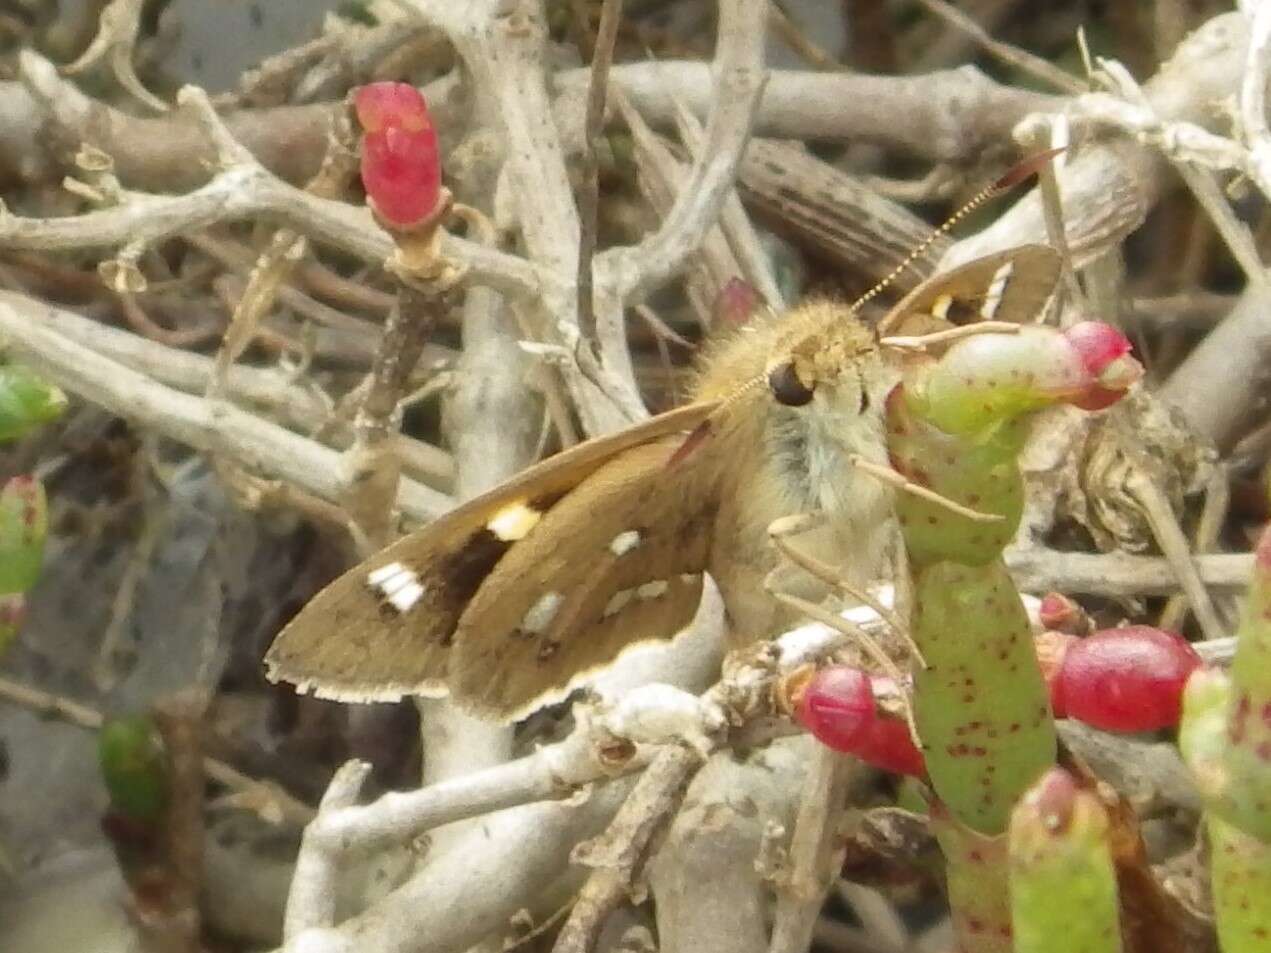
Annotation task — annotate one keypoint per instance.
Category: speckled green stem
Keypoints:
(978, 876)
(956, 425)
(1226, 740)
(1063, 882)
(981, 703)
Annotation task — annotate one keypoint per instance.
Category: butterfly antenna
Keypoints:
(1013, 176)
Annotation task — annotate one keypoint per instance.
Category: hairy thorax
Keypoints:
(794, 460)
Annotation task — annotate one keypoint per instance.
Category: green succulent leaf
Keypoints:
(26, 401)
(134, 767)
(23, 526)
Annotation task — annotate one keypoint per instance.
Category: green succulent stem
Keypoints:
(1225, 737)
(956, 425)
(978, 883)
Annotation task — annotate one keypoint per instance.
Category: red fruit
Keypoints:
(838, 708)
(888, 746)
(1128, 679)
(401, 163)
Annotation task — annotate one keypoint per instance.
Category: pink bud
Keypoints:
(401, 163)
(1052, 799)
(1062, 614)
(383, 105)
(1128, 679)
(736, 303)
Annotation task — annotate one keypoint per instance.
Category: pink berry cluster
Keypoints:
(401, 163)
(1126, 679)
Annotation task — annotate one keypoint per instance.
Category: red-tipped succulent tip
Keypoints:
(401, 161)
(1105, 353)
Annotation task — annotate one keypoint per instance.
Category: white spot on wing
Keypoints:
(617, 602)
(396, 584)
(540, 615)
(651, 590)
(378, 576)
(513, 522)
(623, 543)
(940, 307)
(997, 288)
(404, 598)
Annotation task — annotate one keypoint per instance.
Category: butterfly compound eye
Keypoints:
(786, 387)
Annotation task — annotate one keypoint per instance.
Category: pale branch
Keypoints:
(243, 190)
(215, 427)
(948, 115)
(596, 750)
(246, 194)
(372, 467)
(955, 114)
(607, 741)
(311, 900)
(589, 193)
(1218, 383)
(734, 222)
(813, 848)
(116, 38)
(709, 877)
(617, 856)
(1109, 186)
(272, 390)
(503, 46)
(738, 83)
(1021, 59)
(1036, 569)
(661, 177)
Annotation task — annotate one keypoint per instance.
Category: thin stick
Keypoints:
(589, 194)
(1213, 516)
(618, 855)
(1011, 55)
(853, 631)
(1176, 549)
(892, 478)
(90, 719)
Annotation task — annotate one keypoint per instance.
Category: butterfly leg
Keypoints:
(780, 532)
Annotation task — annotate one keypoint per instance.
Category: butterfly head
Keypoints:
(831, 360)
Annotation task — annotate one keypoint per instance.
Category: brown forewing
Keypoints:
(610, 596)
(350, 644)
